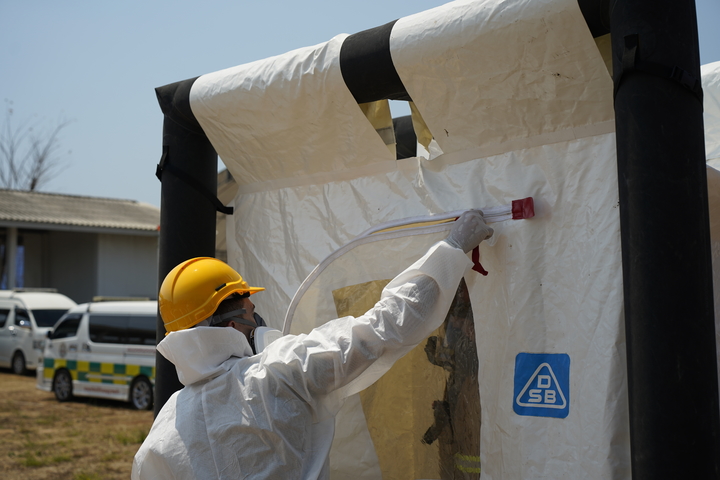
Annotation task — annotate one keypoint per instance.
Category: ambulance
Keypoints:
(102, 350)
(26, 315)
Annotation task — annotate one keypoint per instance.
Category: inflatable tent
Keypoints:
(510, 99)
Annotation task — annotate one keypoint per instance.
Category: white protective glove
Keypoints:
(468, 231)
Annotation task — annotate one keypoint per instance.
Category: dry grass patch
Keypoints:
(85, 439)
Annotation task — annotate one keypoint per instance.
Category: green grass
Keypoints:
(31, 460)
(61, 459)
(9, 407)
(68, 441)
(47, 420)
(34, 455)
(131, 437)
(110, 457)
(87, 476)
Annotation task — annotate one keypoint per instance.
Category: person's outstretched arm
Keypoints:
(348, 354)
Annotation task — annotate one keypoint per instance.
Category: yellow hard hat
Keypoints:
(192, 291)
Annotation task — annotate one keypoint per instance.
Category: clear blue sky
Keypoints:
(98, 63)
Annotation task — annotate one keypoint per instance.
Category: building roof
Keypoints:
(25, 209)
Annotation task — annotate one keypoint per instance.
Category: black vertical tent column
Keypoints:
(187, 216)
(669, 320)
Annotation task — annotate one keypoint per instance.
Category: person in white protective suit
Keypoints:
(270, 414)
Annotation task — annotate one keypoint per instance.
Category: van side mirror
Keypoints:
(48, 334)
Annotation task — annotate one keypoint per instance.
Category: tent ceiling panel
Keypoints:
(287, 116)
(502, 72)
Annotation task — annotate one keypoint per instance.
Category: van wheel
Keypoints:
(18, 364)
(141, 394)
(62, 386)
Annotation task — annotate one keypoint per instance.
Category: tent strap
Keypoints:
(631, 63)
(164, 166)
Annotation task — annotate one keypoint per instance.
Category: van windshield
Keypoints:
(47, 318)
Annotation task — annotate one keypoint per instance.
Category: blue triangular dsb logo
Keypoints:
(542, 390)
(542, 384)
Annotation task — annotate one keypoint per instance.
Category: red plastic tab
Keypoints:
(524, 208)
(476, 262)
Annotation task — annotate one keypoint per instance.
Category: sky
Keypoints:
(96, 64)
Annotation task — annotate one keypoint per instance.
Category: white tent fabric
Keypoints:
(711, 104)
(519, 99)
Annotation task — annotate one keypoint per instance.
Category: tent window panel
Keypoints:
(423, 415)
(355, 300)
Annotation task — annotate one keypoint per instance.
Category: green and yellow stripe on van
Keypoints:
(97, 372)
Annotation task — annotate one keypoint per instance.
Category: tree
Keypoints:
(29, 153)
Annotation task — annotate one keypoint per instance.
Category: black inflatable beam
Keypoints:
(666, 256)
(597, 16)
(367, 67)
(187, 217)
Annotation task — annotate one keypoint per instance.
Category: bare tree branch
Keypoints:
(29, 156)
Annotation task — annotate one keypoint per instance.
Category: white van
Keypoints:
(102, 350)
(25, 319)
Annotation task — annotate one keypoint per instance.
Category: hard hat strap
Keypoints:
(235, 315)
(244, 322)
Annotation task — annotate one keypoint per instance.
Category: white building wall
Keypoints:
(35, 258)
(127, 266)
(73, 264)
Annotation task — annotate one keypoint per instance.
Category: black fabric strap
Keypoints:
(215, 319)
(164, 166)
(632, 63)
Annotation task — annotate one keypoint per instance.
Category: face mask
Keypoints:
(258, 337)
(262, 337)
(259, 320)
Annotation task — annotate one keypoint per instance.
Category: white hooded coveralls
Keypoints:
(271, 416)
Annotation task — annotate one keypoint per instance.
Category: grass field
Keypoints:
(85, 439)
